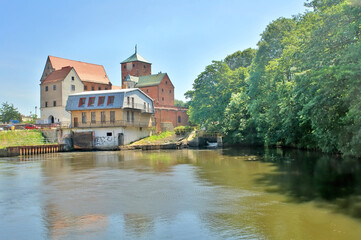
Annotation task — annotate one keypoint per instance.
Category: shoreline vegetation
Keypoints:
(300, 88)
(21, 138)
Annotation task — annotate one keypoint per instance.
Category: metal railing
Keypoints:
(138, 106)
(121, 123)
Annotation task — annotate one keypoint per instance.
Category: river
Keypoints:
(180, 194)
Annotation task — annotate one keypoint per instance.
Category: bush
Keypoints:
(183, 130)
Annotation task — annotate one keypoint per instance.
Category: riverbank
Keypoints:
(21, 138)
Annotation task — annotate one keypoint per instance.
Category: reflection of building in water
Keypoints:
(65, 225)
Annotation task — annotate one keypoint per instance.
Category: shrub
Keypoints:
(183, 130)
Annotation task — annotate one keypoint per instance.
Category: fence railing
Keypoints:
(139, 106)
(121, 123)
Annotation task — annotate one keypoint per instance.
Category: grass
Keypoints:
(159, 138)
(21, 138)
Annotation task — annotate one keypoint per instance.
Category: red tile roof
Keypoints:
(58, 75)
(87, 72)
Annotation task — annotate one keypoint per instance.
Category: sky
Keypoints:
(178, 37)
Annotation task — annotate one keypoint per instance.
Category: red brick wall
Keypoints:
(170, 115)
(137, 69)
(151, 92)
(96, 86)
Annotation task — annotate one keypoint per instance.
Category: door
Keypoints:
(76, 122)
(120, 139)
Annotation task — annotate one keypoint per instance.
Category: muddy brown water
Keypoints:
(180, 194)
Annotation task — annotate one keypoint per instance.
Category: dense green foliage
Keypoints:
(9, 112)
(181, 130)
(301, 88)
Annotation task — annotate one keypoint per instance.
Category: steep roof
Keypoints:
(58, 75)
(146, 81)
(87, 72)
(134, 58)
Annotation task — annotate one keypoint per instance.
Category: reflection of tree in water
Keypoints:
(307, 176)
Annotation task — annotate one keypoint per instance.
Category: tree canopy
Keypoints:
(301, 87)
(9, 112)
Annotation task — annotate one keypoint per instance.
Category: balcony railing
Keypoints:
(138, 106)
(121, 123)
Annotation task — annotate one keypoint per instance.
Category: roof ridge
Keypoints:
(76, 61)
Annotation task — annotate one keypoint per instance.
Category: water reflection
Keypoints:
(185, 194)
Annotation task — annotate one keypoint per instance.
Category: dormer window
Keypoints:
(101, 101)
(81, 102)
(91, 101)
(110, 100)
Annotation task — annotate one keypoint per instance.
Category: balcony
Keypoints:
(138, 106)
(121, 123)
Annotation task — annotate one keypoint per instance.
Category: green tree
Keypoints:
(240, 58)
(9, 112)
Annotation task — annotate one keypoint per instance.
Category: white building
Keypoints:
(108, 119)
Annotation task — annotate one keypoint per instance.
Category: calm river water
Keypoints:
(183, 194)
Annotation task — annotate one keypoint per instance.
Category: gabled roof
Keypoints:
(87, 72)
(148, 80)
(58, 75)
(134, 58)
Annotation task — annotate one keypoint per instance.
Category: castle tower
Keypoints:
(135, 65)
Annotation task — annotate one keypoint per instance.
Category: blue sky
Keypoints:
(178, 37)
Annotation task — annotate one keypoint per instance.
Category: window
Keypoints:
(54, 103)
(110, 100)
(145, 106)
(109, 134)
(91, 101)
(132, 116)
(133, 65)
(46, 88)
(170, 91)
(162, 90)
(73, 87)
(85, 88)
(148, 107)
(147, 91)
(106, 88)
(102, 117)
(93, 88)
(128, 101)
(128, 117)
(162, 98)
(144, 66)
(112, 116)
(166, 82)
(72, 78)
(179, 119)
(93, 120)
(99, 88)
(124, 66)
(101, 101)
(83, 117)
(132, 102)
(46, 104)
(54, 87)
(81, 102)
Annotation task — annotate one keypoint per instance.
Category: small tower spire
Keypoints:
(136, 48)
